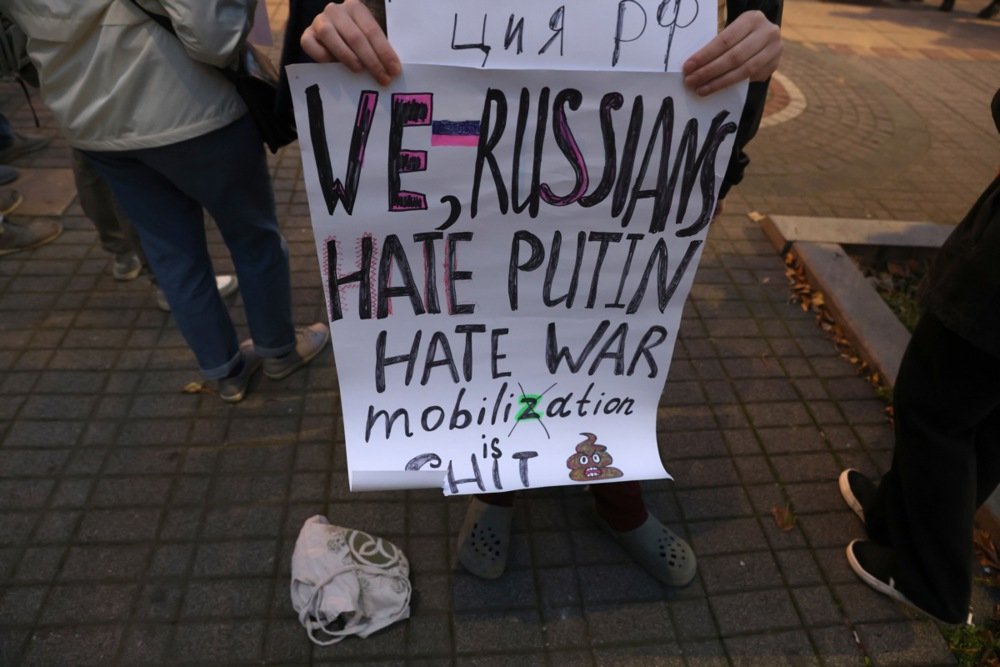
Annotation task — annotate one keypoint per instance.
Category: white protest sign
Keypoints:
(624, 35)
(505, 256)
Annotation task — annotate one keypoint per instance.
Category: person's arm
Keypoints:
(210, 30)
(748, 48)
(349, 33)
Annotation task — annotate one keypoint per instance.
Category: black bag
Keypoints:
(256, 80)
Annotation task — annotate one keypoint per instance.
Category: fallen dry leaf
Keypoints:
(901, 269)
(986, 551)
(197, 388)
(814, 300)
(784, 518)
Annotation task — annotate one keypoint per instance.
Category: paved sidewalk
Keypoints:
(142, 525)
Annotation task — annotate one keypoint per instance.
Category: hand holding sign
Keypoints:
(348, 33)
(749, 48)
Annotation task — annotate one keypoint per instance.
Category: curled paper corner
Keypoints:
(393, 480)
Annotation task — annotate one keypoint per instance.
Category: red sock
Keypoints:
(620, 504)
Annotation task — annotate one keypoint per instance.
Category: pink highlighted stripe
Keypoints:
(455, 140)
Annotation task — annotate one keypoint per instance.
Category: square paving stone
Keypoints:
(861, 604)
(180, 524)
(559, 588)
(20, 494)
(798, 567)
(754, 612)
(666, 654)
(47, 192)
(907, 644)
(70, 604)
(708, 653)
(428, 554)
(16, 526)
(739, 572)
(82, 645)
(832, 529)
(564, 628)
(286, 642)
(131, 491)
(129, 525)
(20, 604)
(693, 619)
(503, 660)
(754, 469)
(837, 646)
(100, 563)
(514, 590)
(227, 559)
(242, 521)
(478, 632)
(429, 634)
(255, 488)
(714, 503)
(688, 473)
(817, 606)
(19, 463)
(629, 622)
(431, 593)
(146, 644)
(811, 467)
(813, 497)
(218, 643)
(790, 649)
(226, 598)
(159, 602)
(616, 583)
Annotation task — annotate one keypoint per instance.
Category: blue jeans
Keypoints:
(163, 191)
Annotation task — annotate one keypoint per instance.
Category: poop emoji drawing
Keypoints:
(591, 461)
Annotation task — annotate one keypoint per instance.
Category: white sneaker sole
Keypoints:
(889, 590)
(848, 495)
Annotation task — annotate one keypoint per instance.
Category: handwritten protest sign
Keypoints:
(505, 256)
(626, 35)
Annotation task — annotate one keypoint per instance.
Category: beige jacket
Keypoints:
(116, 80)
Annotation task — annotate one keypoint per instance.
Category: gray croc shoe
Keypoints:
(660, 551)
(484, 540)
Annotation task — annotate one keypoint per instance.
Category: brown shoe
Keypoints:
(9, 201)
(15, 236)
(21, 145)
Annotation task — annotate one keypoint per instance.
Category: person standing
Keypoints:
(116, 234)
(352, 33)
(946, 458)
(156, 118)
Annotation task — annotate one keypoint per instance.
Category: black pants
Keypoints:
(946, 463)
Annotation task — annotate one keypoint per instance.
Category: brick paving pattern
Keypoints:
(142, 525)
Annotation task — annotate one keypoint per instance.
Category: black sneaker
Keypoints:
(858, 491)
(874, 565)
